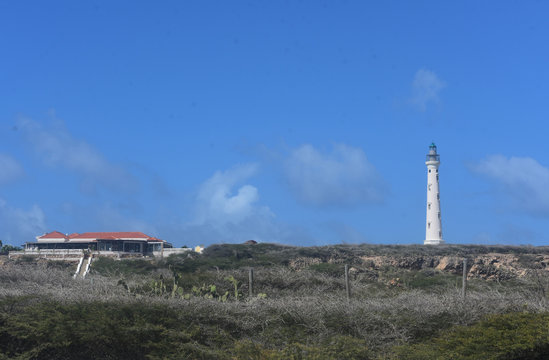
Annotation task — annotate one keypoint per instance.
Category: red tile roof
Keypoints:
(53, 235)
(112, 235)
(100, 235)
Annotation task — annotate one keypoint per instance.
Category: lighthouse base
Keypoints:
(433, 242)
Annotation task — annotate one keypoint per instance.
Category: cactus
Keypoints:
(235, 284)
(206, 292)
(174, 290)
(159, 287)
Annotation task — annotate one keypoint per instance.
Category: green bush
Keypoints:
(96, 330)
(230, 257)
(337, 347)
(183, 307)
(50, 330)
(107, 266)
(25, 259)
(8, 248)
(507, 336)
(430, 279)
(336, 270)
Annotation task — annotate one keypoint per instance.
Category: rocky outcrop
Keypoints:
(452, 264)
(492, 266)
(405, 262)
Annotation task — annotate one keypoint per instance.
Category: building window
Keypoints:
(428, 225)
(438, 196)
(440, 234)
(429, 206)
(429, 171)
(437, 177)
(437, 171)
(439, 215)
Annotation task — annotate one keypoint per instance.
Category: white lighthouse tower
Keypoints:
(433, 227)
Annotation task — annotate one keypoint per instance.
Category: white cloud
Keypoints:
(425, 88)
(262, 228)
(10, 169)
(523, 179)
(217, 202)
(227, 210)
(56, 147)
(18, 225)
(343, 177)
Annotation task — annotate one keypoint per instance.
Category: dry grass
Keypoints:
(304, 306)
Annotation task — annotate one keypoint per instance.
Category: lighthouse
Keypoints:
(433, 226)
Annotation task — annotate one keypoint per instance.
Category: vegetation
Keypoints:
(198, 306)
(6, 248)
(506, 336)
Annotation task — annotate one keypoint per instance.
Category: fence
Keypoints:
(348, 283)
(75, 254)
(51, 254)
(168, 251)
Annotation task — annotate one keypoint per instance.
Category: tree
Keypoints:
(8, 248)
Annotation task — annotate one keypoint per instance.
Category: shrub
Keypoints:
(430, 279)
(337, 347)
(507, 336)
(175, 307)
(108, 266)
(336, 270)
(50, 330)
(7, 248)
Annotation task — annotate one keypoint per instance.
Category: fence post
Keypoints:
(464, 280)
(251, 281)
(347, 285)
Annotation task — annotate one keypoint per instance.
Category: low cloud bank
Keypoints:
(521, 179)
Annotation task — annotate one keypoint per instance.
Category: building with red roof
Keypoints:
(124, 241)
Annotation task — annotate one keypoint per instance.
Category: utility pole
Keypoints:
(464, 280)
(347, 284)
(251, 282)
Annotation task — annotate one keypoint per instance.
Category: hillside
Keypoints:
(405, 303)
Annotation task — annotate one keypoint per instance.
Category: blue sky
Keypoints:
(299, 122)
